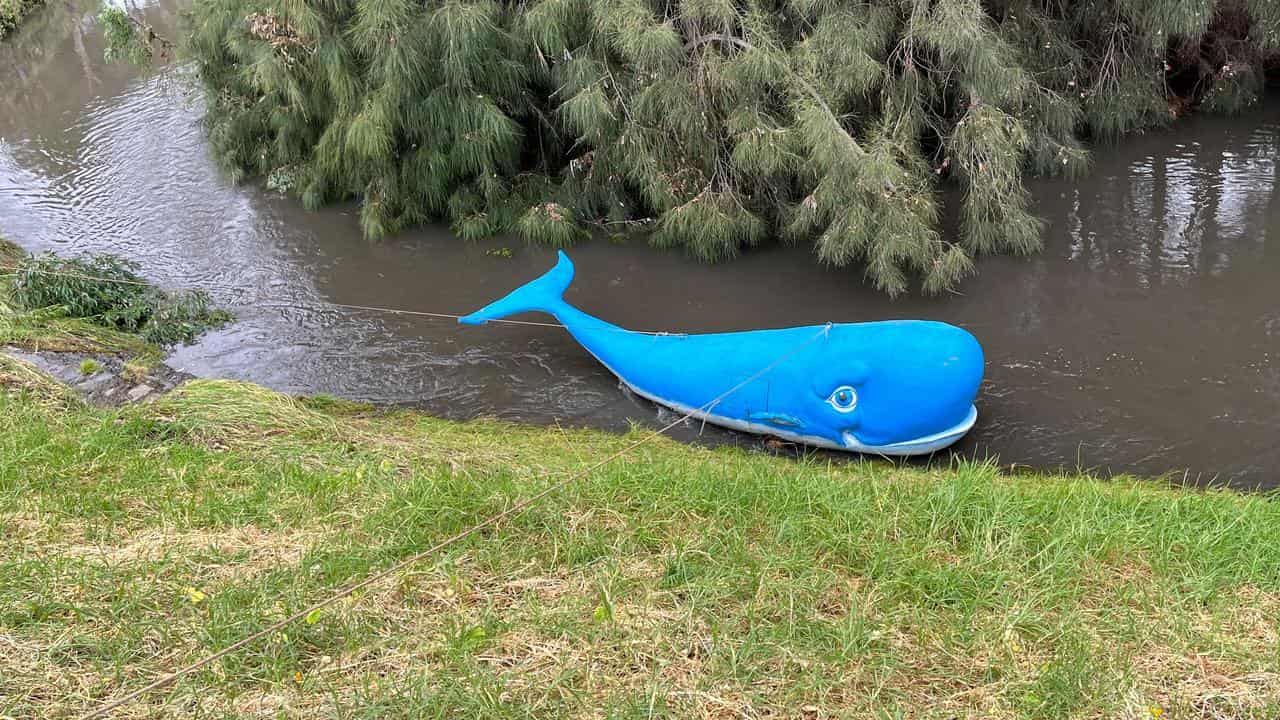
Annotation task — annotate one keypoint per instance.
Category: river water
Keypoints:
(1144, 339)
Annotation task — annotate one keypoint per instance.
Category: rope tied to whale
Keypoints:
(235, 289)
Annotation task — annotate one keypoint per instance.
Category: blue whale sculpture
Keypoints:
(899, 387)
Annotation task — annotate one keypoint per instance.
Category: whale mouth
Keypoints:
(918, 446)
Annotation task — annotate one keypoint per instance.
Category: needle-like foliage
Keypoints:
(714, 124)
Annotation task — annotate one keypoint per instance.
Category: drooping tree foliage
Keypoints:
(711, 124)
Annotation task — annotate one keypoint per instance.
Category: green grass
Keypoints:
(90, 367)
(679, 582)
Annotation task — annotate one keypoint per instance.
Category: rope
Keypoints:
(396, 311)
(489, 522)
(368, 308)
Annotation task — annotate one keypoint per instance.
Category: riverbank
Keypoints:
(62, 322)
(676, 582)
(1078, 375)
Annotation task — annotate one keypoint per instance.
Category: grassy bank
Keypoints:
(681, 582)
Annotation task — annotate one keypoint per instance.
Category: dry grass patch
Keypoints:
(17, 376)
(248, 551)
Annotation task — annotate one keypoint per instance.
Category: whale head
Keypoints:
(896, 387)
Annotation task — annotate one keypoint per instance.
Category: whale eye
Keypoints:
(843, 399)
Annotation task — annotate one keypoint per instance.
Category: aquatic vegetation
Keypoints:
(711, 125)
(281, 180)
(107, 291)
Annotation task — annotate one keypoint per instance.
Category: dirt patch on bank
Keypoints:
(103, 380)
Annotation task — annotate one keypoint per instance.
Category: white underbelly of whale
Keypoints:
(918, 446)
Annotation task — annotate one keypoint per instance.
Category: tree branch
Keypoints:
(808, 88)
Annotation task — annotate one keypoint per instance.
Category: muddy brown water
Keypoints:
(1144, 339)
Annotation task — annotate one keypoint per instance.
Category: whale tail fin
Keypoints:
(543, 294)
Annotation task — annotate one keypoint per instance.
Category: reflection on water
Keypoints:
(1145, 338)
(1194, 208)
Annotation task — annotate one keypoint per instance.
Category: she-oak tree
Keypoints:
(711, 124)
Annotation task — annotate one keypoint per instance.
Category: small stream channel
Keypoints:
(1144, 339)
